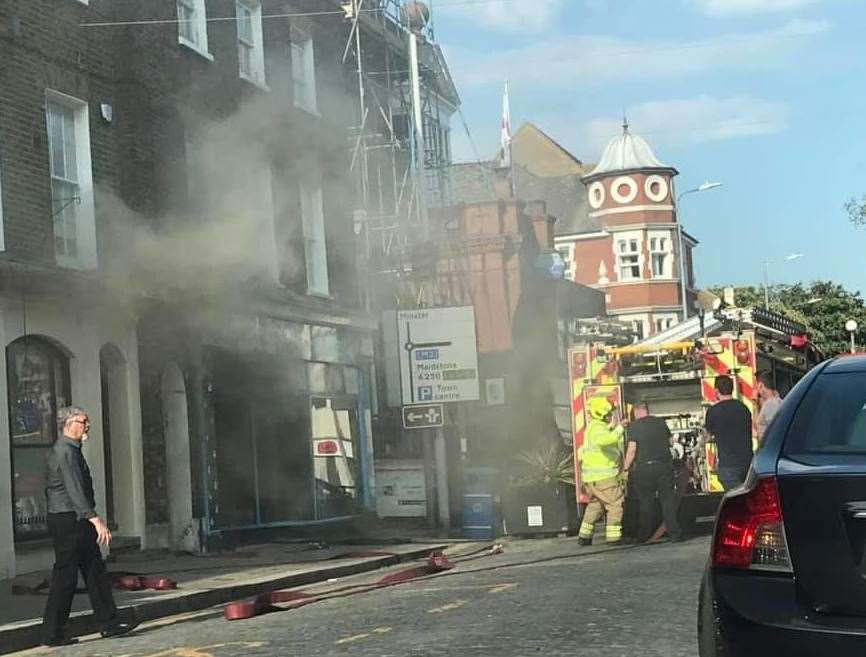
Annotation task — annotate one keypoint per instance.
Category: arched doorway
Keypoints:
(184, 532)
(116, 444)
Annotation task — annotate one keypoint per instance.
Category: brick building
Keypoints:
(630, 247)
(67, 329)
(179, 198)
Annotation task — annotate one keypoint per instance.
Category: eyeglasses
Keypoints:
(84, 422)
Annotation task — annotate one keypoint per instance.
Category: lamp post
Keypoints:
(788, 258)
(703, 187)
(851, 326)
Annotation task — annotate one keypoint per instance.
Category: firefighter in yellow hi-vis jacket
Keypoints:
(601, 472)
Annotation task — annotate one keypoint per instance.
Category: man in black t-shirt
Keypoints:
(729, 421)
(649, 454)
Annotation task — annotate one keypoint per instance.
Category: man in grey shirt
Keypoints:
(77, 532)
(770, 403)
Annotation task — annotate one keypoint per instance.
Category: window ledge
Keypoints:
(320, 295)
(256, 83)
(191, 46)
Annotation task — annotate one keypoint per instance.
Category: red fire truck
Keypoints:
(674, 374)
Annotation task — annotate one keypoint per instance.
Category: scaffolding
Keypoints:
(400, 143)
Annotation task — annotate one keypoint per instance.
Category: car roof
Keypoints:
(847, 363)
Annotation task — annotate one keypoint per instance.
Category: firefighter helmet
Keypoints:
(600, 407)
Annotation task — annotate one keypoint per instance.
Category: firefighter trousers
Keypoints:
(605, 497)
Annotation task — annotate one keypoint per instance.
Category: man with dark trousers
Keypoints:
(77, 532)
(648, 455)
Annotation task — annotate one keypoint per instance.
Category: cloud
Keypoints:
(729, 7)
(524, 16)
(600, 60)
(688, 121)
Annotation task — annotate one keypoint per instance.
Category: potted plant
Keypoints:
(536, 499)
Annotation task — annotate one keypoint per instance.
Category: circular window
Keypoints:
(596, 195)
(623, 189)
(656, 188)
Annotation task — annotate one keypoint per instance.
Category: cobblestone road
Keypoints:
(632, 601)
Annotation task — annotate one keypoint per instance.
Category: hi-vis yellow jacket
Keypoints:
(601, 452)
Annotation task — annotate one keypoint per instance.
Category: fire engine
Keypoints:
(674, 374)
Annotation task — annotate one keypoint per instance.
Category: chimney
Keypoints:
(542, 223)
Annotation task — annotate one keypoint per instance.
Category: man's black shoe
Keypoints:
(58, 641)
(584, 541)
(118, 629)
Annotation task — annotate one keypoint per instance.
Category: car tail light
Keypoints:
(750, 533)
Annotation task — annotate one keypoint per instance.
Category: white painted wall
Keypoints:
(81, 331)
(184, 529)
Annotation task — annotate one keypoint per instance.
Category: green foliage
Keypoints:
(546, 465)
(823, 307)
(856, 210)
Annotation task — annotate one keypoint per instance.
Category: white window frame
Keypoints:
(315, 242)
(253, 45)
(301, 44)
(628, 257)
(197, 26)
(83, 210)
(661, 248)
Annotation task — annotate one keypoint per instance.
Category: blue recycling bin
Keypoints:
(478, 516)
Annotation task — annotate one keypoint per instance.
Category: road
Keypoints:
(557, 601)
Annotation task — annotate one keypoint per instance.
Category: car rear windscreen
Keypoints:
(831, 418)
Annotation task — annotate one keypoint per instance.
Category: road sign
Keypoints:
(438, 355)
(424, 416)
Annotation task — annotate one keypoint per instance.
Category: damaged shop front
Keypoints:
(278, 420)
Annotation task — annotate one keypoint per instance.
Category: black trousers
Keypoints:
(649, 481)
(75, 549)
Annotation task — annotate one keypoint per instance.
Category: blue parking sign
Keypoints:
(425, 393)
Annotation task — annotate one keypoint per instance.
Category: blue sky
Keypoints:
(766, 96)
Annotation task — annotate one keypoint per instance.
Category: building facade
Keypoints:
(634, 250)
(179, 197)
(67, 327)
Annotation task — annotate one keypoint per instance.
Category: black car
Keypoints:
(787, 573)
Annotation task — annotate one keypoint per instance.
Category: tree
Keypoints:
(856, 210)
(823, 307)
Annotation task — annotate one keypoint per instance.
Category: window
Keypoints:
(303, 71)
(251, 56)
(628, 255)
(38, 380)
(192, 25)
(71, 181)
(663, 324)
(659, 251)
(831, 419)
(315, 248)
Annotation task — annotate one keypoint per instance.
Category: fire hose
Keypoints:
(264, 603)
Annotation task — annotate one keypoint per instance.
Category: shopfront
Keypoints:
(290, 441)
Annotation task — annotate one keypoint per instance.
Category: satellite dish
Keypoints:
(416, 15)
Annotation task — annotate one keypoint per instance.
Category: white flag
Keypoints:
(505, 133)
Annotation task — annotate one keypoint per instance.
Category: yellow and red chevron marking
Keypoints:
(577, 375)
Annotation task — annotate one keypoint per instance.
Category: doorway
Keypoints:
(116, 447)
(184, 530)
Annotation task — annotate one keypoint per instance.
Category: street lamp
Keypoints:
(703, 187)
(788, 258)
(851, 326)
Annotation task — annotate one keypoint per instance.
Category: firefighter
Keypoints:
(601, 472)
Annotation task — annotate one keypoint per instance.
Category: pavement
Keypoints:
(203, 581)
(545, 596)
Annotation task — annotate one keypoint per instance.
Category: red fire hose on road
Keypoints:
(265, 603)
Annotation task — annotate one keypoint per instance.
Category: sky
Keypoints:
(767, 97)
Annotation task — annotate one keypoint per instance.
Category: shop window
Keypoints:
(337, 462)
(38, 384)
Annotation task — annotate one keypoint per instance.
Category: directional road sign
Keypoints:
(423, 416)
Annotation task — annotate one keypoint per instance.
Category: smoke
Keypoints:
(227, 215)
